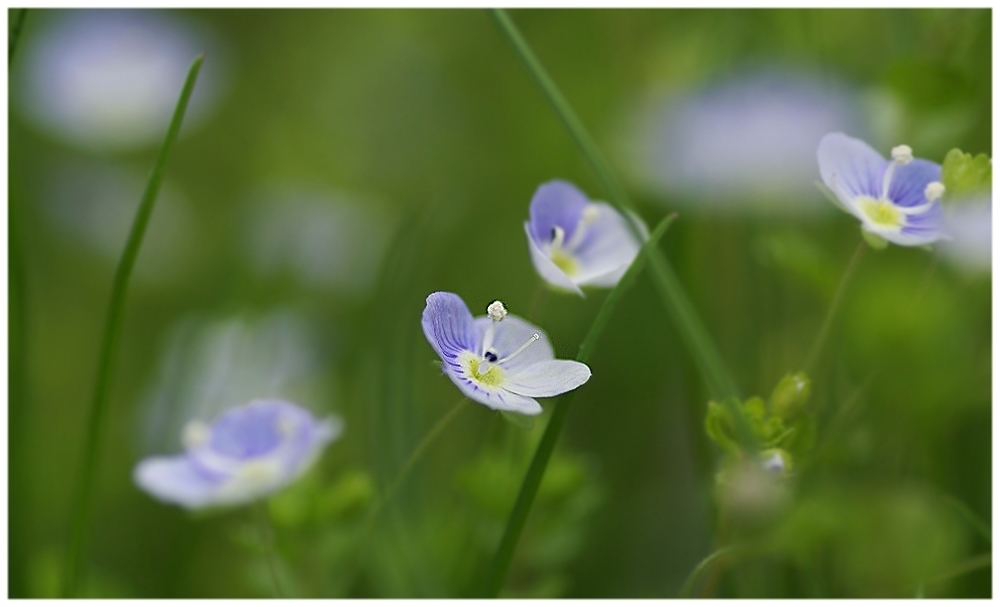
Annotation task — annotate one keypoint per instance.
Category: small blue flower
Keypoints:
(246, 453)
(578, 243)
(499, 360)
(897, 200)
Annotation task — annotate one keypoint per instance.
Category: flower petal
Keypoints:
(923, 228)
(447, 325)
(176, 480)
(549, 378)
(850, 167)
(510, 334)
(548, 270)
(609, 248)
(494, 398)
(556, 203)
(910, 181)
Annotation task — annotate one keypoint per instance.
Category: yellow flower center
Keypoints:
(881, 212)
(492, 376)
(564, 261)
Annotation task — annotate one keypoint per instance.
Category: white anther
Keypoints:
(496, 311)
(902, 154)
(934, 191)
(195, 434)
(559, 236)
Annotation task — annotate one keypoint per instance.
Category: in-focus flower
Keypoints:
(578, 243)
(499, 360)
(897, 200)
(248, 452)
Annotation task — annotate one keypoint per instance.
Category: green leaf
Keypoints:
(790, 395)
(720, 428)
(962, 174)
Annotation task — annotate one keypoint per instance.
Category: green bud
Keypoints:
(720, 428)
(875, 241)
(790, 395)
(963, 174)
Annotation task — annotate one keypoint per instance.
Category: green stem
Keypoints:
(973, 564)
(696, 337)
(83, 502)
(15, 33)
(838, 298)
(533, 479)
(267, 543)
(701, 568)
(981, 526)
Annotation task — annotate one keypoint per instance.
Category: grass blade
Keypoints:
(15, 33)
(533, 479)
(714, 372)
(83, 503)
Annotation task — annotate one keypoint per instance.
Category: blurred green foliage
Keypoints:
(427, 116)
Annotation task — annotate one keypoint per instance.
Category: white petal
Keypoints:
(510, 334)
(549, 378)
(175, 480)
(548, 270)
(606, 254)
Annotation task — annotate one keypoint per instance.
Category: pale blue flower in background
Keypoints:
(246, 453)
(499, 360)
(897, 200)
(578, 243)
(970, 222)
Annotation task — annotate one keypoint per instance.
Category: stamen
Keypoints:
(195, 434)
(901, 155)
(558, 236)
(934, 191)
(496, 311)
(534, 337)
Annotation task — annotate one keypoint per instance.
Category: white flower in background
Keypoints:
(741, 144)
(970, 222)
(499, 360)
(578, 243)
(897, 200)
(327, 240)
(246, 453)
(110, 79)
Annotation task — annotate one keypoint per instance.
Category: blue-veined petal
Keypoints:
(496, 397)
(850, 167)
(176, 480)
(910, 181)
(447, 325)
(608, 249)
(509, 335)
(549, 271)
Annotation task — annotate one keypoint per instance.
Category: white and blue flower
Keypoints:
(897, 200)
(499, 360)
(248, 452)
(578, 243)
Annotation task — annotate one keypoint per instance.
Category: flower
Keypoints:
(500, 363)
(896, 200)
(246, 453)
(578, 243)
(970, 221)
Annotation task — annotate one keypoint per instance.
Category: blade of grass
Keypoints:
(83, 502)
(714, 372)
(15, 33)
(536, 470)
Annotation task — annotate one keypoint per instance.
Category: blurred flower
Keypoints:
(108, 79)
(577, 243)
(246, 453)
(739, 144)
(970, 222)
(327, 240)
(499, 360)
(95, 203)
(895, 200)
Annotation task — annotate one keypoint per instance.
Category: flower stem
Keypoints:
(493, 580)
(15, 33)
(83, 502)
(838, 298)
(701, 568)
(267, 542)
(679, 306)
